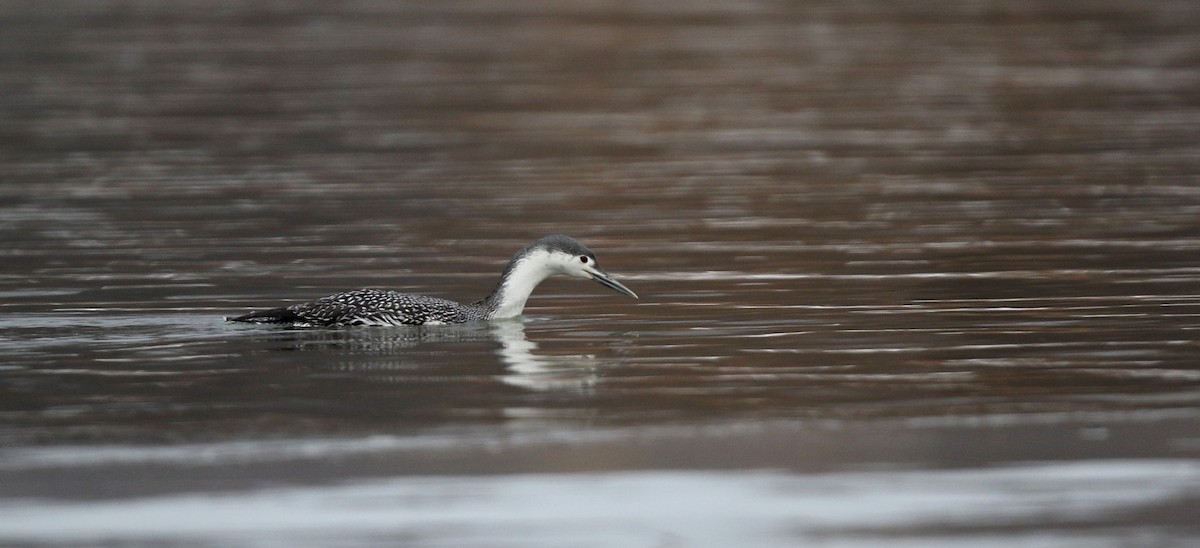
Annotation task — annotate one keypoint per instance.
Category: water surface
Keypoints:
(910, 275)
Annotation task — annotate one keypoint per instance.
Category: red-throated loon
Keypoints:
(553, 255)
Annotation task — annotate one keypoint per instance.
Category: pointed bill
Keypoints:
(603, 279)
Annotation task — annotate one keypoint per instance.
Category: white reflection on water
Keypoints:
(1055, 504)
(529, 370)
(524, 366)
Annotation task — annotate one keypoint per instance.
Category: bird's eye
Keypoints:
(583, 259)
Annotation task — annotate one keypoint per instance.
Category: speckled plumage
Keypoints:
(551, 255)
(371, 307)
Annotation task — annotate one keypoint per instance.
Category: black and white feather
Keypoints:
(369, 307)
(549, 256)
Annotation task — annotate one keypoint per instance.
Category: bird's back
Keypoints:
(368, 307)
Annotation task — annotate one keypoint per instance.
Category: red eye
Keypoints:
(583, 259)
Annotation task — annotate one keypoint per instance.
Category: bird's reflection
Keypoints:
(527, 369)
(524, 367)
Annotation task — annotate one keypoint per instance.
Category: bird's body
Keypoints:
(549, 256)
(370, 307)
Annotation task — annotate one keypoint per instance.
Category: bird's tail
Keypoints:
(274, 315)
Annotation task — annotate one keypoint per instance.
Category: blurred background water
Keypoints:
(911, 273)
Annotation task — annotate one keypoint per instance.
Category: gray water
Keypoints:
(910, 275)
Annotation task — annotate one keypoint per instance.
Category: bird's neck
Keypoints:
(520, 277)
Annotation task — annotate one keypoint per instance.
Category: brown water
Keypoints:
(910, 274)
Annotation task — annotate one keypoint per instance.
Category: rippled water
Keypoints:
(910, 275)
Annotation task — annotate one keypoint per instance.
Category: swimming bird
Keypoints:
(554, 255)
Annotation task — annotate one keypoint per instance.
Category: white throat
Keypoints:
(522, 278)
